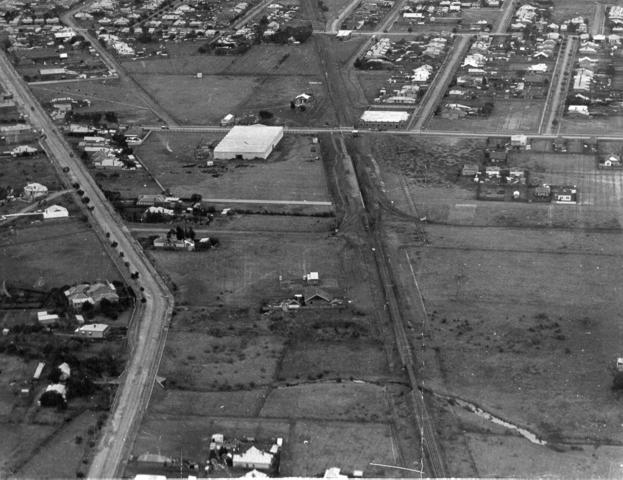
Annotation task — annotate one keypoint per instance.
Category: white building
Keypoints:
(35, 190)
(384, 118)
(248, 142)
(93, 330)
(55, 211)
(253, 458)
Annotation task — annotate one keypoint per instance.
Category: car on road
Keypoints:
(164, 127)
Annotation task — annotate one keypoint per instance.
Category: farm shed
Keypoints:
(248, 142)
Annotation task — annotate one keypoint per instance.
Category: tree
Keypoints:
(195, 197)
(617, 382)
(52, 399)
(179, 233)
(55, 375)
(265, 115)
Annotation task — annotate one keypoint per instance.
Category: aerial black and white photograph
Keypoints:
(311, 239)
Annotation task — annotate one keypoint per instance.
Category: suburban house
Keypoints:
(93, 330)
(253, 458)
(610, 161)
(313, 296)
(34, 190)
(94, 294)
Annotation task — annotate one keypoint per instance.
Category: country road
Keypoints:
(120, 430)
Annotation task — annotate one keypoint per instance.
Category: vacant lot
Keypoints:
(525, 324)
(293, 172)
(17, 172)
(348, 361)
(608, 125)
(241, 403)
(199, 100)
(508, 116)
(207, 362)
(107, 95)
(342, 401)
(72, 254)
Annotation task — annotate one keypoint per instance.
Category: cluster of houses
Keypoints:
(594, 89)
(42, 48)
(444, 11)
(125, 24)
(518, 65)
(413, 64)
(367, 15)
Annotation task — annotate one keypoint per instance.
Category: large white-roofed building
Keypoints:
(248, 142)
(384, 118)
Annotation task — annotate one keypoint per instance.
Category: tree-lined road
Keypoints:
(140, 372)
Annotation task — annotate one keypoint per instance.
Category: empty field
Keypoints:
(341, 401)
(205, 362)
(242, 403)
(607, 125)
(46, 255)
(198, 100)
(535, 348)
(351, 360)
(293, 172)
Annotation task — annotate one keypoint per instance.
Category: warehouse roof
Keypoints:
(389, 116)
(251, 138)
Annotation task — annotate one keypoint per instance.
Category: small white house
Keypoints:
(253, 458)
(35, 190)
(93, 330)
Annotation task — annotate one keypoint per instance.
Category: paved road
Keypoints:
(508, 9)
(555, 105)
(111, 62)
(120, 430)
(334, 25)
(439, 85)
(415, 133)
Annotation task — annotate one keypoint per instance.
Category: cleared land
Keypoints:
(293, 172)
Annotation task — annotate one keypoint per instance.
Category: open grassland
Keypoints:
(508, 117)
(54, 253)
(107, 95)
(524, 324)
(198, 100)
(342, 401)
(607, 125)
(294, 171)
